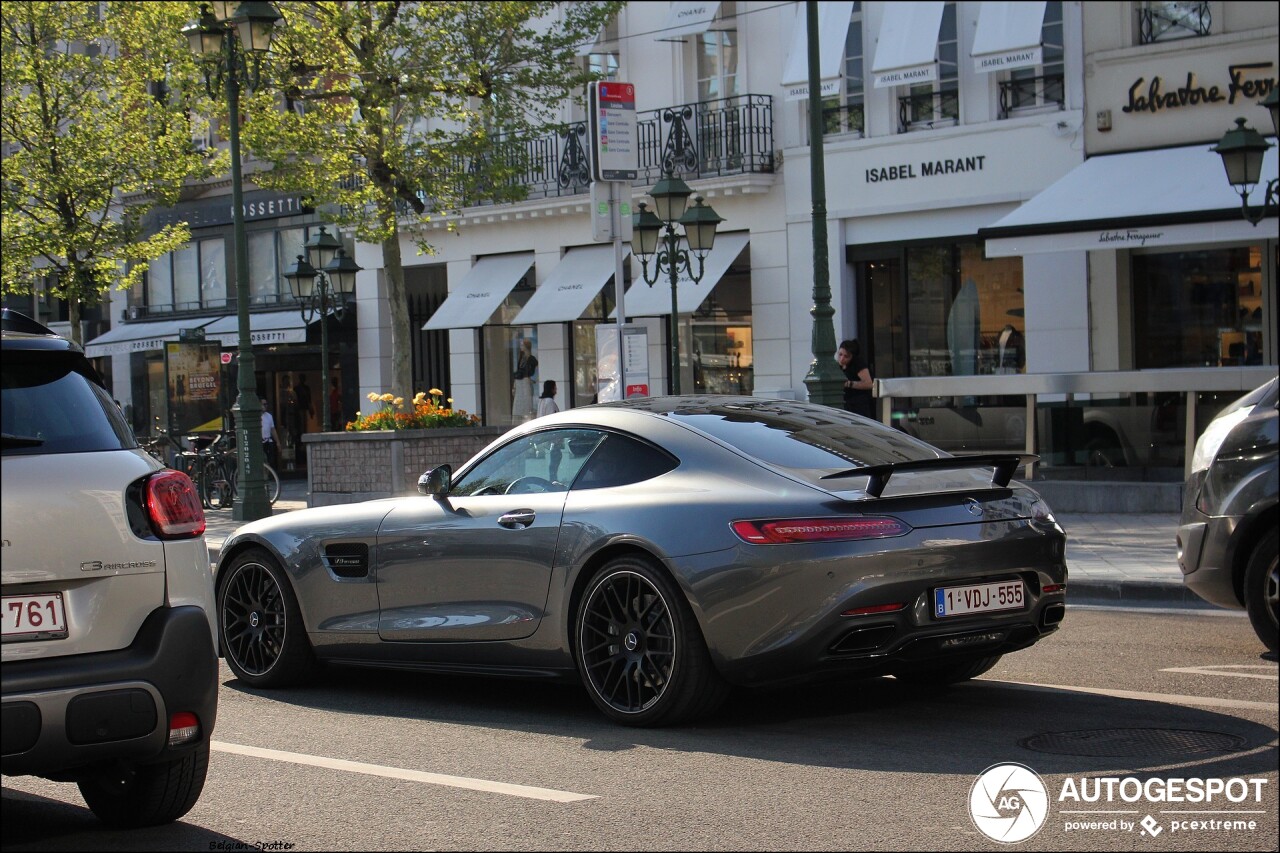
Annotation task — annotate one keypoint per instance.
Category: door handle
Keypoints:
(519, 518)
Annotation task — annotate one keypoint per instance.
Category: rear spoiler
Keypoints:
(1005, 464)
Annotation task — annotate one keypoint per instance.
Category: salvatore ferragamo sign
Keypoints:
(1244, 82)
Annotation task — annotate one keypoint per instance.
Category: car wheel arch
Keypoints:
(577, 587)
(252, 543)
(1260, 518)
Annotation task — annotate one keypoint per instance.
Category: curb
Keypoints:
(1150, 593)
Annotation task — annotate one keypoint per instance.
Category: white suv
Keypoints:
(110, 678)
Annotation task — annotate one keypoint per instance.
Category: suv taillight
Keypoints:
(173, 507)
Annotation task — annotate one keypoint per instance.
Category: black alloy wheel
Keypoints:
(260, 624)
(639, 648)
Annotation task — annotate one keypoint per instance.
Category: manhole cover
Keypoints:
(1142, 743)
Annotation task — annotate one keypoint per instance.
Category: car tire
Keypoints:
(639, 649)
(1262, 588)
(147, 794)
(260, 625)
(948, 673)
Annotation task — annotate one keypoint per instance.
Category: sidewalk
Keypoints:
(1111, 557)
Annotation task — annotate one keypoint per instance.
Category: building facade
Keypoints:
(994, 171)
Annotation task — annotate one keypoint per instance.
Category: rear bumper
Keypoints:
(879, 645)
(61, 714)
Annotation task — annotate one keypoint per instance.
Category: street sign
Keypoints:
(614, 141)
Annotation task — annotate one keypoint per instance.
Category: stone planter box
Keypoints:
(346, 467)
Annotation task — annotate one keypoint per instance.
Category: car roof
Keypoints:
(18, 331)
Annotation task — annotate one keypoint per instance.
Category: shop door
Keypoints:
(883, 328)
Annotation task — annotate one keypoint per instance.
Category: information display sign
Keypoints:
(614, 140)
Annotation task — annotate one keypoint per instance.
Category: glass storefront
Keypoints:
(1198, 309)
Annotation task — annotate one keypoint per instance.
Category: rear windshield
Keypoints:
(805, 437)
(49, 404)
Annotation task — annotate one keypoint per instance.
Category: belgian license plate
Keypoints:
(34, 617)
(978, 598)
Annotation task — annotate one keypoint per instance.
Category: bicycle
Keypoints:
(229, 470)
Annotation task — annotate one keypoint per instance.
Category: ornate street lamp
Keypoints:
(1242, 150)
(670, 196)
(230, 41)
(322, 291)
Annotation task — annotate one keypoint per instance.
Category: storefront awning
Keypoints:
(571, 286)
(687, 18)
(480, 292)
(833, 29)
(645, 301)
(141, 337)
(908, 48)
(1008, 35)
(1138, 199)
(275, 327)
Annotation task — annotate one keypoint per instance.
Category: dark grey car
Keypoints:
(1227, 536)
(660, 550)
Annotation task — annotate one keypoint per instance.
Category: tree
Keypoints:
(395, 107)
(84, 130)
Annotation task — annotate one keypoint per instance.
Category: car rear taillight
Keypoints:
(875, 609)
(784, 530)
(173, 507)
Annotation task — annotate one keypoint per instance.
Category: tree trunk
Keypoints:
(401, 334)
(73, 314)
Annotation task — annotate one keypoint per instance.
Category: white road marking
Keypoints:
(1203, 701)
(1269, 673)
(486, 785)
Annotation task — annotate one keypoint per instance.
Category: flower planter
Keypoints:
(346, 467)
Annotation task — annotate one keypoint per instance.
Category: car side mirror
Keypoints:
(436, 482)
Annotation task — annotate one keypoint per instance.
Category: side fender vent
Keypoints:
(348, 559)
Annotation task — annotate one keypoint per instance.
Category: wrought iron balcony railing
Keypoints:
(1162, 21)
(928, 110)
(844, 118)
(725, 136)
(1030, 93)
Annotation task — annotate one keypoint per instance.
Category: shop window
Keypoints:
(943, 310)
(722, 356)
(936, 104)
(585, 379)
(508, 400)
(1198, 309)
(1042, 88)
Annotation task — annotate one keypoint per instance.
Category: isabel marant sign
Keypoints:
(926, 169)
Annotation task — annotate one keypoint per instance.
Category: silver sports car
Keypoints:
(661, 550)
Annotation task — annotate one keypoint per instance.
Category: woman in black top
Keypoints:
(857, 380)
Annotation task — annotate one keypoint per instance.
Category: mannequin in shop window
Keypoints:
(1012, 350)
(522, 399)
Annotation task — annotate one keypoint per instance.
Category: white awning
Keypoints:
(1008, 35)
(645, 301)
(1138, 199)
(141, 337)
(907, 49)
(571, 286)
(274, 327)
(687, 18)
(474, 299)
(833, 30)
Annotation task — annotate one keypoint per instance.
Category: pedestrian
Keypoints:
(270, 438)
(522, 404)
(547, 402)
(857, 380)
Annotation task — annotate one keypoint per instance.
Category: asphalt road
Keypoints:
(402, 761)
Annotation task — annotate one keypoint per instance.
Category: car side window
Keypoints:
(620, 461)
(544, 461)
